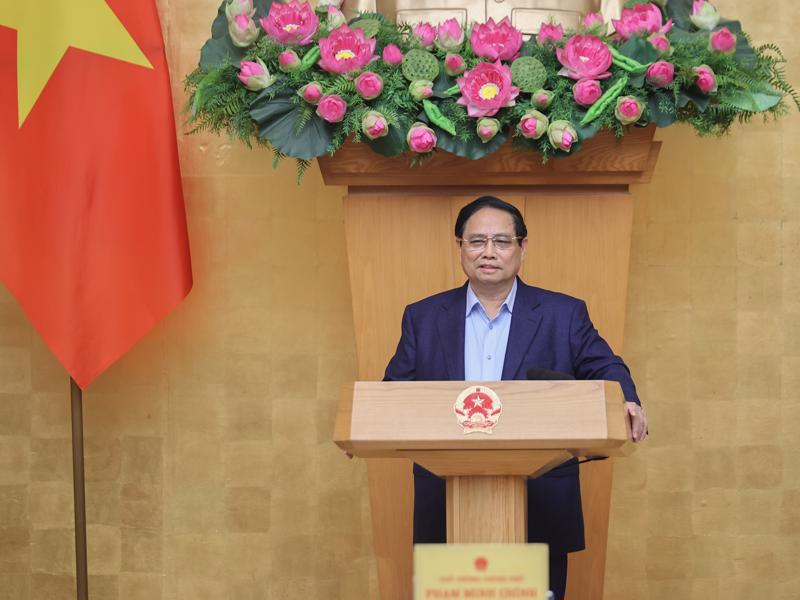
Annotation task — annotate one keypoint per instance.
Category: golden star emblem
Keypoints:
(47, 28)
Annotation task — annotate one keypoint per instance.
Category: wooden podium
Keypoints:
(541, 425)
(400, 248)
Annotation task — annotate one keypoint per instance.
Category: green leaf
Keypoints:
(680, 11)
(639, 50)
(276, 120)
(586, 131)
(753, 100)
(658, 116)
(371, 27)
(443, 83)
(472, 149)
(695, 96)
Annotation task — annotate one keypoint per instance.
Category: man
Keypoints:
(497, 327)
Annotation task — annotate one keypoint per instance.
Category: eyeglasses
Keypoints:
(500, 242)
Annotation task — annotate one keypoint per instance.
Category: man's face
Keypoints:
(491, 265)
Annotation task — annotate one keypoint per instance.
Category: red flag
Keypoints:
(93, 240)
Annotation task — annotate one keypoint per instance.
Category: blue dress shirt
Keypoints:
(485, 339)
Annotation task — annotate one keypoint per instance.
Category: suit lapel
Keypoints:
(450, 324)
(525, 322)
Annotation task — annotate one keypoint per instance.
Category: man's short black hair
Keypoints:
(491, 202)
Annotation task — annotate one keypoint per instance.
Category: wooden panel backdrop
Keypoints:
(401, 248)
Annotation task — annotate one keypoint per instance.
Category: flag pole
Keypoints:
(79, 488)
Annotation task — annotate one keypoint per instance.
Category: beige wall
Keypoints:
(210, 470)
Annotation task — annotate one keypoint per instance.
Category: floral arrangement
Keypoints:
(303, 80)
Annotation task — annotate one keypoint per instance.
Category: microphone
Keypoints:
(537, 374)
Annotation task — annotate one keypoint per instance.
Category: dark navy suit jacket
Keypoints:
(548, 331)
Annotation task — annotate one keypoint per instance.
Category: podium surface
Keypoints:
(535, 426)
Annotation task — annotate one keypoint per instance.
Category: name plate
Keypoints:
(464, 571)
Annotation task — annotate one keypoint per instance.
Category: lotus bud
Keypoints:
(629, 109)
(288, 61)
(332, 108)
(454, 65)
(425, 34)
(421, 138)
(335, 18)
(562, 135)
(487, 128)
(449, 36)
(586, 92)
(593, 23)
(542, 99)
(369, 85)
(392, 55)
(704, 15)
(254, 75)
(533, 124)
(549, 33)
(706, 80)
(374, 125)
(420, 89)
(660, 74)
(239, 7)
(311, 92)
(243, 31)
(722, 41)
(660, 43)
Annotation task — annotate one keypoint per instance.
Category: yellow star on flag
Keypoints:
(47, 28)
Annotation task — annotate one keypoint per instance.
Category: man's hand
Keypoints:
(638, 421)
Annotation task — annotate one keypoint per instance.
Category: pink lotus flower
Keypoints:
(706, 80)
(454, 65)
(660, 43)
(288, 61)
(640, 19)
(291, 24)
(392, 55)
(494, 41)
(425, 34)
(704, 15)
(660, 74)
(584, 57)
(487, 128)
(562, 135)
(593, 23)
(332, 108)
(549, 34)
(586, 92)
(345, 50)
(369, 85)
(533, 125)
(243, 30)
(542, 98)
(722, 41)
(449, 36)
(254, 75)
(628, 110)
(486, 89)
(374, 125)
(335, 17)
(311, 92)
(421, 138)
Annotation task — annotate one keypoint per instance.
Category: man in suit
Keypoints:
(497, 327)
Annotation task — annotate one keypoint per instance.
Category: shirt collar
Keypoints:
(472, 299)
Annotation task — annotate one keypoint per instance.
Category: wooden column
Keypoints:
(399, 227)
(470, 499)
